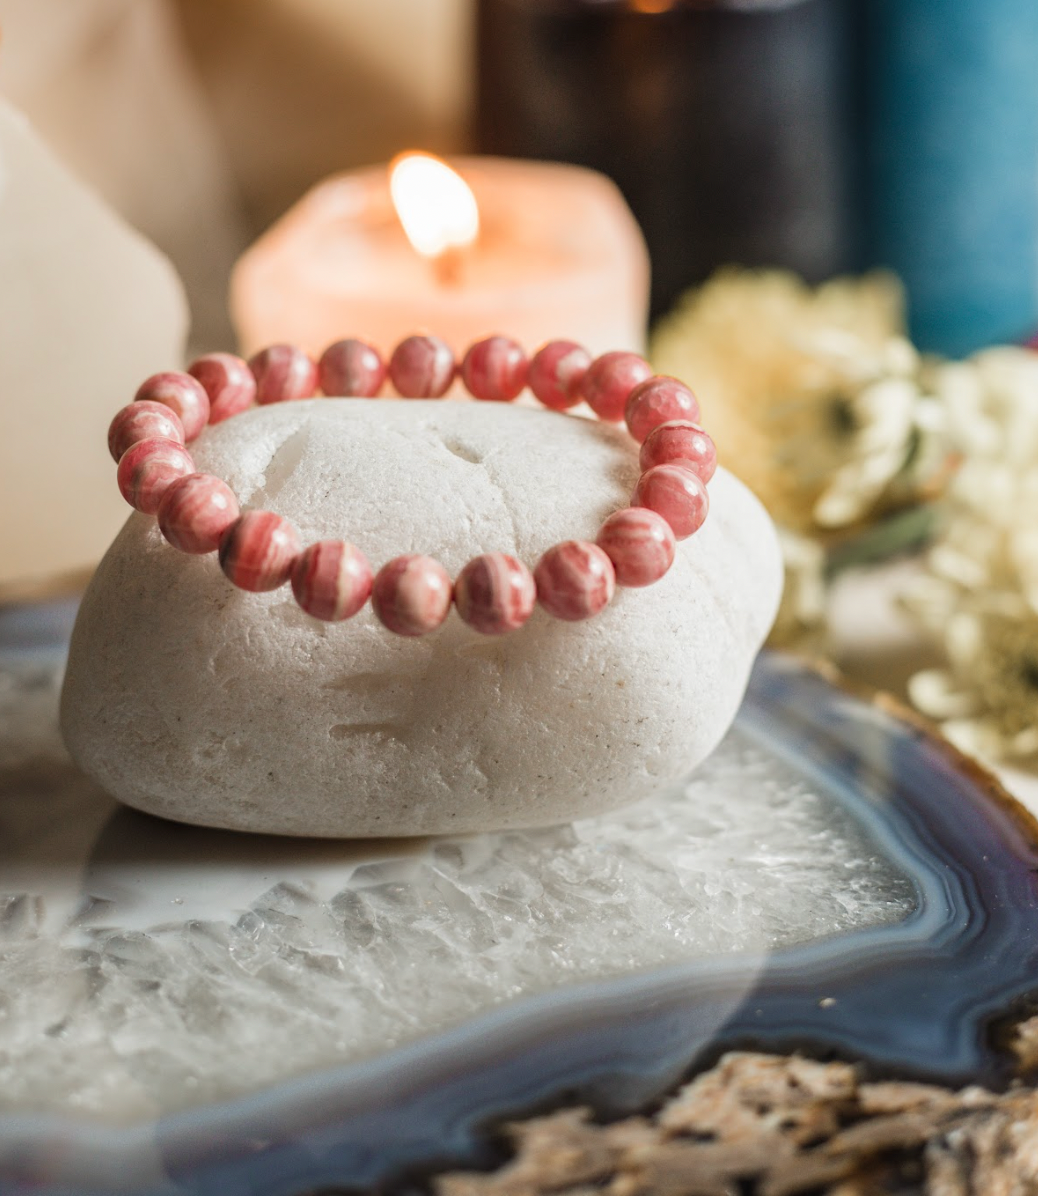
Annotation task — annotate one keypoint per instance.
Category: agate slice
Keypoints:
(834, 879)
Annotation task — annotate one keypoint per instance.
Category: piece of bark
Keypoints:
(748, 1095)
(777, 1126)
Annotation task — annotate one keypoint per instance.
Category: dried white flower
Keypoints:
(812, 394)
(979, 598)
(801, 614)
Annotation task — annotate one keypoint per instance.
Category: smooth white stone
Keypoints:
(88, 308)
(192, 700)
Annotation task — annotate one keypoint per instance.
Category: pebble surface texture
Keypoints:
(190, 700)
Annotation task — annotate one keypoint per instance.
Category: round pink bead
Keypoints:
(351, 368)
(495, 593)
(411, 595)
(675, 493)
(610, 380)
(331, 580)
(680, 442)
(258, 550)
(640, 544)
(143, 421)
(575, 580)
(195, 511)
(422, 367)
(495, 369)
(228, 382)
(283, 373)
(182, 394)
(656, 401)
(556, 373)
(148, 468)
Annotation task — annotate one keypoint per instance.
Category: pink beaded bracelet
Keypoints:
(412, 595)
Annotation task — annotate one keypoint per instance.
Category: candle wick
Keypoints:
(448, 266)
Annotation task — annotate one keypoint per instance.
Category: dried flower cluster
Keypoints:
(815, 402)
(820, 404)
(813, 394)
(979, 597)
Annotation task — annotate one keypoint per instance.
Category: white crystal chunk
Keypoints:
(88, 308)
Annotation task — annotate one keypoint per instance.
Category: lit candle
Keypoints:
(535, 250)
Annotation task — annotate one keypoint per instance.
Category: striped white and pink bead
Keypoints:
(331, 580)
(195, 511)
(258, 550)
(495, 593)
(412, 595)
(575, 580)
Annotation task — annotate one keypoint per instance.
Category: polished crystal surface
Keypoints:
(148, 967)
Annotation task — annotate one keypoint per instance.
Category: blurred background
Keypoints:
(820, 135)
(839, 200)
(204, 120)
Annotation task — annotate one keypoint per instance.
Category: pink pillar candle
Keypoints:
(558, 255)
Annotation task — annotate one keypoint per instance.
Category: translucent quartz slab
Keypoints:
(147, 967)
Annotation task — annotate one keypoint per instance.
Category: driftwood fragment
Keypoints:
(779, 1126)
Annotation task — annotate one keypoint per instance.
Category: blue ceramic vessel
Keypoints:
(953, 172)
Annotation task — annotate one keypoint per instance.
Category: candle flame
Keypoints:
(434, 203)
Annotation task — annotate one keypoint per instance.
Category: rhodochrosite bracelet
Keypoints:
(412, 595)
